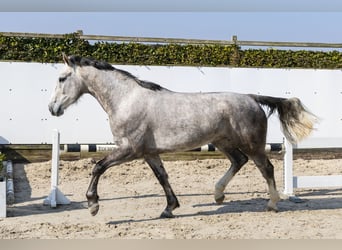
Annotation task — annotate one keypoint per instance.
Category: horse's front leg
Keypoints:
(122, 154)
(156, 165)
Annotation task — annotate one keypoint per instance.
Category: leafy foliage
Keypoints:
(49, 50)
(2, 158)
(291, 59)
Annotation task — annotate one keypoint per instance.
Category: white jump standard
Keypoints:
(56, 197)
(6, 188)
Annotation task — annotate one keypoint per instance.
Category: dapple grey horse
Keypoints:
(147, 120)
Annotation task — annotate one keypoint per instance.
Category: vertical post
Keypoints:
(234, 39)
(288, 168)
(54, 166)
(56, 196)
(3, 211)
(10, 184)
(235, 56)
(55, 158)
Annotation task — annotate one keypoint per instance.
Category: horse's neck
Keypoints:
(109, 92)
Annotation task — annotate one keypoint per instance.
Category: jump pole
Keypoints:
(56, 197)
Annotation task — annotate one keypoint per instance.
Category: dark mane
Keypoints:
(144, 84)
(82, 61)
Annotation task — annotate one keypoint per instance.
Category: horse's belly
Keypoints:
(185, 136)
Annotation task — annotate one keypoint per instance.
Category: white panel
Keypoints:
(25, 90)
(317, 181)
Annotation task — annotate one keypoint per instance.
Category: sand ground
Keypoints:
(131, 201)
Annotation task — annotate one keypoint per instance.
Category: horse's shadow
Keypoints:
(227, 207)
(256, 205)
(26, 205)
(18, 210)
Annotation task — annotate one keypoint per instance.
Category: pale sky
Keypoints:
(265, 20)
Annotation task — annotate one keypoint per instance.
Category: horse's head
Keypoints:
(68, 89)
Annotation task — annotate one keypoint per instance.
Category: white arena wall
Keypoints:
(25, 90)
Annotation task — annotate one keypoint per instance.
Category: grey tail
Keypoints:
(296, 121)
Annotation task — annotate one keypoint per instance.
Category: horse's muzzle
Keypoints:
(55, 109)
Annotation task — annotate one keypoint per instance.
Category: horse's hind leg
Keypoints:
(156, 165)
(267, 170)
(237, 159)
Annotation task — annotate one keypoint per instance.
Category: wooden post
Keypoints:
(235, 57)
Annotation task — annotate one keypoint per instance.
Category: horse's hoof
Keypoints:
(94, 208)
(166, 214)
(219, 200)
(272, 209)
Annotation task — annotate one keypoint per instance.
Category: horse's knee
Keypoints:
(238, 156)
(98, 170)
(242, 160)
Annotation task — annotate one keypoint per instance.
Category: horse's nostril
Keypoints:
(50, 108)
(55, 110)
(59, 111)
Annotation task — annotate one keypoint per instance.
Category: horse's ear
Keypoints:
(66, 59)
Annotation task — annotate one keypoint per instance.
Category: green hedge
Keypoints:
(272, 58)
(49, 50)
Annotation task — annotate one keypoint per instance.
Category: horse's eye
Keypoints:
(62, 79)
